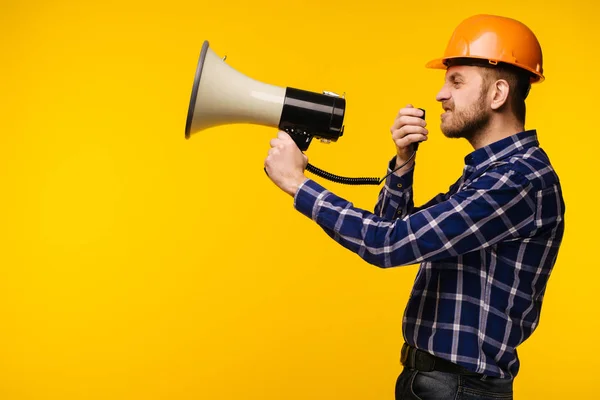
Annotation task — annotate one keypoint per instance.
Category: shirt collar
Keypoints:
(502, 148)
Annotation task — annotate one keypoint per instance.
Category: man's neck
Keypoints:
(496, 130)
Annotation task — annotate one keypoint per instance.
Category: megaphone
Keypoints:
(221, 95)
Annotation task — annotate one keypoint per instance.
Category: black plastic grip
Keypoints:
(416, 145)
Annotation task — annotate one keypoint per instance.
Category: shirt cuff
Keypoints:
(399, 183)
(308, 198)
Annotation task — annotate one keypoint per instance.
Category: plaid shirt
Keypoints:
(486, 249)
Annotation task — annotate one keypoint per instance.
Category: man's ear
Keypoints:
(500, 92)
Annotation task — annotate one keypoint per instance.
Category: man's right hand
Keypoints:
(408, 128)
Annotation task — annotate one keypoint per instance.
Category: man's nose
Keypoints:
(443, 94)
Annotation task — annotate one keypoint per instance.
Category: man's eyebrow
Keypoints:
(455, 75)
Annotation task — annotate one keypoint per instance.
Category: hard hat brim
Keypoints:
(440, 63)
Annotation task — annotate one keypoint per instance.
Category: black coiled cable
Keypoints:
(341, 179)
(352, 181)
(360, 181)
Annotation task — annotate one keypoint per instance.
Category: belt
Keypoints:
(414, 358)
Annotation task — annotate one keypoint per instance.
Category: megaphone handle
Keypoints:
(301, 139)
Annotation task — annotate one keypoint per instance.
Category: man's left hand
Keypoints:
(285, 163)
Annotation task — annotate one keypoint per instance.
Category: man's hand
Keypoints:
(407, 129)
(285, 163)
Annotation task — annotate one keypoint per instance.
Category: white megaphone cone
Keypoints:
(221, 95)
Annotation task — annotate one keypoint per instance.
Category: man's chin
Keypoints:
(451, 133)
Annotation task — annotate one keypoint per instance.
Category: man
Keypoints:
(486, 247)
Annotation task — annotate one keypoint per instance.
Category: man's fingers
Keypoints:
(407, 130)
(282, 139)
(277, 142)
(401, 111)
(407, 120)
(409, 110)
(283, 135)
(413, 112)
(273, 151)
(410, 139)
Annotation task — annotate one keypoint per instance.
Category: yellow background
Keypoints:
(137, 265)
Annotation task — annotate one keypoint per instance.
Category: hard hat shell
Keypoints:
(494, 39)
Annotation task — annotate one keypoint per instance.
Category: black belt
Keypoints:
(422, 361)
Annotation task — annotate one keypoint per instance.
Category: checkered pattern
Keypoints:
(486, 249)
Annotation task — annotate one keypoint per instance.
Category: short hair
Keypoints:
(519, 81)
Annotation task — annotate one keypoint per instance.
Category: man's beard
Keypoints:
(467, 123)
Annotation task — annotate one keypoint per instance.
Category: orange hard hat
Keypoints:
(494, 39)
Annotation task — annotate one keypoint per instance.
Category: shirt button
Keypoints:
(399, 186)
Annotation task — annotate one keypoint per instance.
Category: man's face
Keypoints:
(464, 99)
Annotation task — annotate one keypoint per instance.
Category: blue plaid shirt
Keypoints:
(486, 249)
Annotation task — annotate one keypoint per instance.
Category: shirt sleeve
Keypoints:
(498, 205)
(396, 198)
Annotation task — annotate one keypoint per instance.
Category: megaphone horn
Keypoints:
(221, 95)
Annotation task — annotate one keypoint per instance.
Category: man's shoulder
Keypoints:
(532, 166)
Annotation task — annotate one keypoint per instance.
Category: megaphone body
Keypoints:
(221, 95)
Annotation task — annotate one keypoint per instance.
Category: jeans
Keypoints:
(417, 385)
